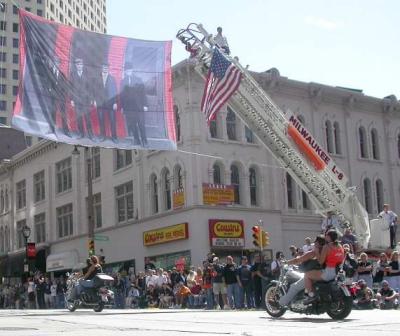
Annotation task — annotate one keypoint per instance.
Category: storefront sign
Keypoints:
(178, 198)
(166, 234)
(218, 194)
(226, 233)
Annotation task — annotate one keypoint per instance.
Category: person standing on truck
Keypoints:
(390, 219)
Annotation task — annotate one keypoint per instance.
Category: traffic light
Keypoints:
(265, 238)
(256, 236)
(30, 251)
(91, 247)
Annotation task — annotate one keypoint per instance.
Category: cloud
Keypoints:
(322, 23)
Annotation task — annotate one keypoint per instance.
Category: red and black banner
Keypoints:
(86, 88)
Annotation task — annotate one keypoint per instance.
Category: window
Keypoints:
(154, 193)
(64, 175)
(3, 71)
(367, 195)
(97, 218)
(235, 181)
(123, 158)
(3, 120)
(3, 7)
(363, 142)
(20, 235)
(96, 170)
(248, 133)
(15, 58)
(15, 27)
(1, 201)
(3, 56)
(217, 174)
(6, 239)
(2, 249)
(38, 186)
(398, 146)
(375, 144)
(213, 129)
(178, 177)
(28, 9)
(65, 224)
(305, 200)
(291, 192)
(15, 91)
(21, 194)
(167, 189)
(3, 41)
(3, 89)
(253, 186)
(177, 123)
(39, 12)
(379, 194)
(336, 134)
(231, 125)
(40, 228)
(6, 201)
(15, 43)
(15, 74)
(28, 140)
(3, 105)
(124, 199)
(329, 136)
(3, 25)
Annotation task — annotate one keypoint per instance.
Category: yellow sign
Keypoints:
(166, 234)
(228, 229)
(178, 198)
(218, 194)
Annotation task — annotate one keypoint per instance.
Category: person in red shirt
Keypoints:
(332, 255)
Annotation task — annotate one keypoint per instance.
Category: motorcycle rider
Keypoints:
(87, 280)
(332, 255)
(298, 286)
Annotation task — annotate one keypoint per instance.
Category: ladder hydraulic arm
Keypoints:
(288, 141)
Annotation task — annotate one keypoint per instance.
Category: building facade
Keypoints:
(83, 14)
(179, 205)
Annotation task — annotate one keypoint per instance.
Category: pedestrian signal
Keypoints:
(256, 236)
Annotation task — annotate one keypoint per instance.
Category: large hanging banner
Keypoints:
(93, 89)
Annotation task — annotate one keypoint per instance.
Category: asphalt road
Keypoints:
(192, 322)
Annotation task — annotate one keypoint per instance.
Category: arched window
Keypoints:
(213, 128)
(379, 194)
(253, 186)
(154, 193)
(167, 189)
(235, 181)
(375, 144)
(398, 146)
(231, 125)
(178, 177)
(6, 239)
(2, 201)
(291, 192)
(363, 142)
(2, 250)
(217, 174)
(305, 200)
(367, 195)
(6, 201)
(336, 134)
(329, 136)
(177, 123)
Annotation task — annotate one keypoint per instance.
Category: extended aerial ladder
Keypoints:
(288, 141)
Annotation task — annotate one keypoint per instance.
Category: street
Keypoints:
(175, 322)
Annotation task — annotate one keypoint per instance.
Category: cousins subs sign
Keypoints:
(226, 233)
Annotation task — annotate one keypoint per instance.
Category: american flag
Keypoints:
(222, 81)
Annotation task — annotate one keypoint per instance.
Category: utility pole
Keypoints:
(91, 247)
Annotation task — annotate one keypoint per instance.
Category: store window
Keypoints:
(168, 261)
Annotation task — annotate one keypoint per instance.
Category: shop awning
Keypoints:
(62, 261)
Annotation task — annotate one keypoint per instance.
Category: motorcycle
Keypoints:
(332, 297)
(98, 297)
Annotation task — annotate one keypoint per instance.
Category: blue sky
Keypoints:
(351, 43)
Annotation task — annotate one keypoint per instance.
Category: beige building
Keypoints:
(83, 14)
(168, 205)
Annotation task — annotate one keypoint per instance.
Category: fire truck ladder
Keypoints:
(326, 187)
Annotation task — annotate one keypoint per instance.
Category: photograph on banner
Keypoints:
(92, 89)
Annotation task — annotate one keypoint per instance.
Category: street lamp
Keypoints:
(90, 212)
(26, 232)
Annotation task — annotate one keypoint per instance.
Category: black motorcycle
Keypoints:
(332, 297)
(98, 297)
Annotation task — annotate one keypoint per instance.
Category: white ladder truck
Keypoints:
(288, 141)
